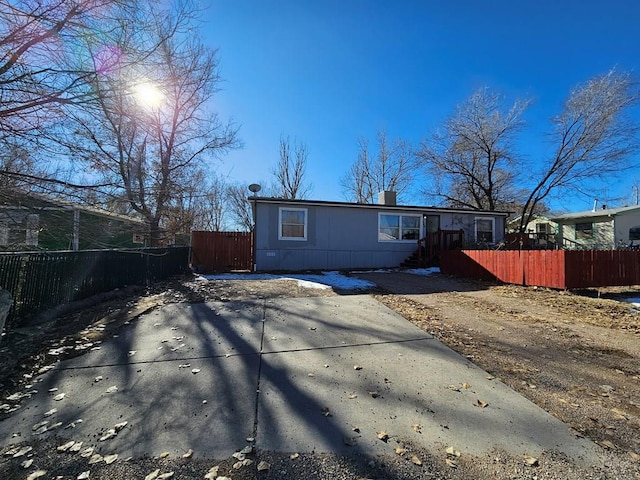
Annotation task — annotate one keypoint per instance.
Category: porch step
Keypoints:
(412, 261)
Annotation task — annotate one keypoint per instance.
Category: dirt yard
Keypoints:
(575, 355)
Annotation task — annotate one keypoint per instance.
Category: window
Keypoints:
(584, 231)
(292, 224)
(543, 228)
(4, 234)
(398, 227)
(32, 230)
(484, 229)
(634, 233)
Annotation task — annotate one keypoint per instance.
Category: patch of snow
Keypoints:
(380, 270)
(311, 284)
(633, 301)
(322, 281)
(241, 276)
(423, 271)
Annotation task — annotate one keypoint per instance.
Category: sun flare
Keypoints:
(148, 95)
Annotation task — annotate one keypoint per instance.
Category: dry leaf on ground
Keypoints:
(22, 451)
(153, 475)
(119, 426)
(37, 474)
(109, 434)
(87, 452)
(606, 444)
(451, 463)
(66, 446)
(212, 474)
(452, 451)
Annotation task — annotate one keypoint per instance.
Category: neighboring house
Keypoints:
(36, 222)
(538, 224)
(314, 235)
(607, 228)
(540, 232)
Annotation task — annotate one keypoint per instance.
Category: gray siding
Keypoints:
(337, 238)
(344, 237)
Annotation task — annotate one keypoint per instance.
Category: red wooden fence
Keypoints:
(221, 251)
(563, 269)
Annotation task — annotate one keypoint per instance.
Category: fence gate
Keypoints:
(221, 251)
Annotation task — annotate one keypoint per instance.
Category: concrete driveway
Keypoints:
(322, 374)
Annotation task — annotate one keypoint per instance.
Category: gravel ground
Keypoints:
(557, 349)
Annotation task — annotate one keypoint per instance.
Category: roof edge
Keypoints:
(376, 206)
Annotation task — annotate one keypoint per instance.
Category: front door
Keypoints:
(431, 223)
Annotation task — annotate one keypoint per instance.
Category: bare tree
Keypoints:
(289, 173)
(211, 206)
(41, 64)
(239, 207)
(635, 191)
(471, 160)
(18, 170)
(151, 125)
(594, 136)
(392, 168)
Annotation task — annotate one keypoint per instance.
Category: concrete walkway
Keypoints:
(296, 374)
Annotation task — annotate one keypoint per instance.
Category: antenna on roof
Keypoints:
(254, 188)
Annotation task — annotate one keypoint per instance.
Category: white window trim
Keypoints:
(399, 240)
(4, 234)
(493, 227)
(32, 229)
(306, 221)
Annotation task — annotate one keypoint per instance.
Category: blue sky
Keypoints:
(329, 72)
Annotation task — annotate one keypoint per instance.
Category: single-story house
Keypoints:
(539, 224)
(540, 232)
(606, 228)
(298, 235)
(31, 221)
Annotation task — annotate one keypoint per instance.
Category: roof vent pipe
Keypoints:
(595, 205)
